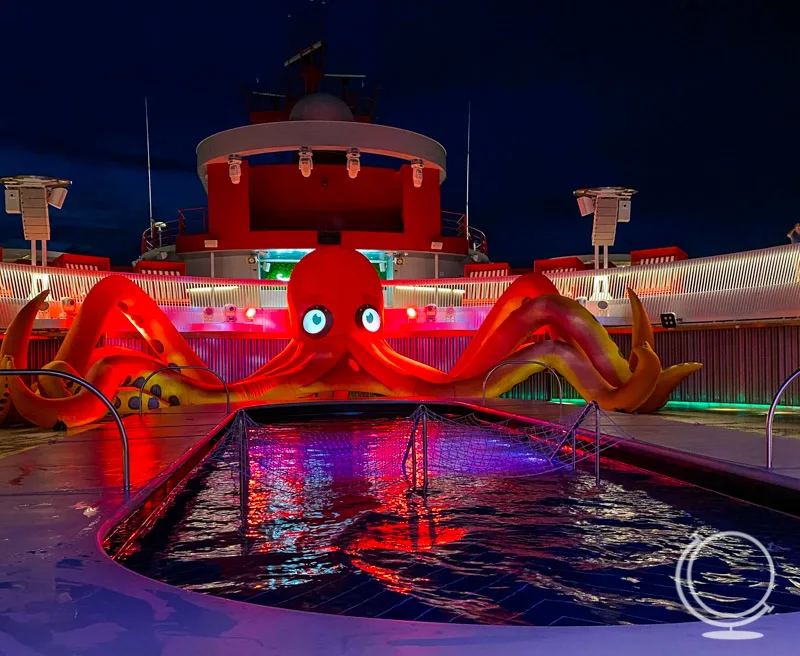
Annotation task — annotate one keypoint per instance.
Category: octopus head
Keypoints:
(333, 294)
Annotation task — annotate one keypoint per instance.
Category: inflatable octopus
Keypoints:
(335, 306)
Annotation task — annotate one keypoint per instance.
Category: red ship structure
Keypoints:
(313, 168)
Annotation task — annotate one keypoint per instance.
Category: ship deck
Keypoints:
(60, 593)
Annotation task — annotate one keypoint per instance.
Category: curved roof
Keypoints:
(287, 136)
(320, 107)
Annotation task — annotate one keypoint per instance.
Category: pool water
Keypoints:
(322, 532)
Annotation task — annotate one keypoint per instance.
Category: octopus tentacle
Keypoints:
(668, 380)
(115, 295)
(523, 289)
(15, 344)
(115, 372)
(580, 373)
(642, 329)
(569, 317)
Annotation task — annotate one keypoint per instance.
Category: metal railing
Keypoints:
(541, 364)
(771, 415)
(179, 368)
(571, 437)
(126, 465)
(762, 284)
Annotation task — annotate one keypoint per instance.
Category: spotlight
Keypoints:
(250, 314)
(450, 314)
(208, 314)
(353, 162)
(235, 168)
(44, 311)
(585, 205)
(430, 313)
(417, 171)
(69, 306)
(230, 313)
(305, 162)
(669, 320)
(412, 313)
(251, 260)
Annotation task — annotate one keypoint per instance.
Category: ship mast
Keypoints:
(466, 214)
(149, 178)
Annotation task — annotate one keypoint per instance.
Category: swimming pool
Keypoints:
(329, 525)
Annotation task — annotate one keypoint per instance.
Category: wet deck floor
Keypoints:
(60, 594)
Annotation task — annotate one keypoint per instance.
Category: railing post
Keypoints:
(771, 415)
(425, 453)
(574, 449)
(244, 468)
(126, 465)
(596, 443)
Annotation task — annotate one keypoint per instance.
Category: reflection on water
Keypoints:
(332, 527)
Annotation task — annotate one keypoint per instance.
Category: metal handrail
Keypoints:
(771, 414)
(126, 465)
(503, 364)
(188, 366)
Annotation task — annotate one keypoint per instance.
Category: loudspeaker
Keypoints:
(669, 320)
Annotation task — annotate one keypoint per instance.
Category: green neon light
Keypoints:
(704, 405)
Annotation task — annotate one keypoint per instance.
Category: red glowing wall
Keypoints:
(384, 199)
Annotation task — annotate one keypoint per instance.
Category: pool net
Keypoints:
(417, 449)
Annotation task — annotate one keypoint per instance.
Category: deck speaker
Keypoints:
(669, 320)
(329, 238)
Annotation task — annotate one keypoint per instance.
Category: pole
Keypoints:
(33, 252)
(425, 453)
(212, 263)
(149, 178)
(605, 256)
(44, 252)
(466, 214)
(436, 277)
(596, 445)
(596, 257)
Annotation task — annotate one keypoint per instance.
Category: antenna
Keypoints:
(469, 127)
(149, 178)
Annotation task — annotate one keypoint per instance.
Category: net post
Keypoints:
(574, 449)
(596, 444)
(244, 467)
(425, 453)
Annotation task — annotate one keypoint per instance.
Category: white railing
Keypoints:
(762, 284)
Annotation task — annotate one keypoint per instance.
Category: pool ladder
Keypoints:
(126, 465)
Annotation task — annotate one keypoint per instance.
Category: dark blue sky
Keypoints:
(694, 103)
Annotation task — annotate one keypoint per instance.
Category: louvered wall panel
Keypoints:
(744, 365)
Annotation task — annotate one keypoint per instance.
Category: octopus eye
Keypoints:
(368, 318)
(317, 321)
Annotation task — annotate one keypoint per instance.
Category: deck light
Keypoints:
(69, 306)
(417, 166)
(230, 313)
(250, 314)
(235, 168)
(412, 313)
(353, 162)
(305, 162)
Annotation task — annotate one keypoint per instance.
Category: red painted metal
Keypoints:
(559, 264)
(667, 254)
(82, 262)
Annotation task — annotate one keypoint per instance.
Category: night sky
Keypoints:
(693, 103)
